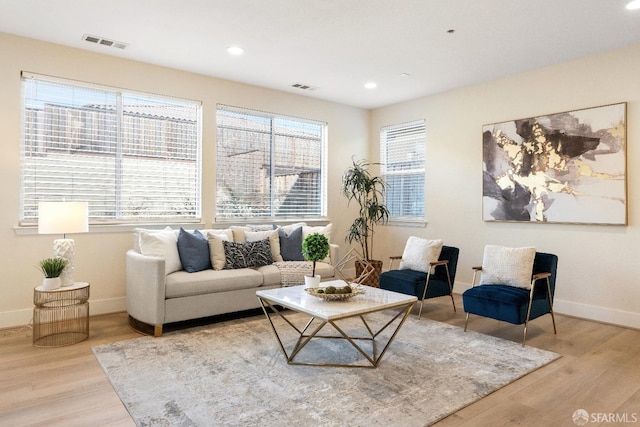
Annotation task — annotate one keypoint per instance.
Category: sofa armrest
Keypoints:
(145, 288)
(333, 253)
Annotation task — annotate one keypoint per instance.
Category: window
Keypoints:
(402, 149)
(269, 166)
(132, 156)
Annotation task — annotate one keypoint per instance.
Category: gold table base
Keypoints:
(61, 316)
(373, 358)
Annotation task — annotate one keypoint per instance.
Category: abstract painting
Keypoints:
(560, 168)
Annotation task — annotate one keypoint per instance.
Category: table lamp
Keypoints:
(63, 218)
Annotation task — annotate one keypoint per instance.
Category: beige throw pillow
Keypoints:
(418, 253)
(323, 229)
(507, 266)
(216, 247)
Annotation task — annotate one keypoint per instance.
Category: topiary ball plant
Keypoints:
(315, 247)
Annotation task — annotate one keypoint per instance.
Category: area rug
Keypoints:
(234, 374)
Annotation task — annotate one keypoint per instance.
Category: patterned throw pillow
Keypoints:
(274, 240)
(247, 254)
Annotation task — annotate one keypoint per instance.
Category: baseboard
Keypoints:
(599, 314)
(10, 319)
(584, 311)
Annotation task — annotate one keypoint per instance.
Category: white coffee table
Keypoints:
(324, 313)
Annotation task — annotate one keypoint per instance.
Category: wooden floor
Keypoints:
(599, 371)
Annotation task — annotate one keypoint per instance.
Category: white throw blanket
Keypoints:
(292, 272)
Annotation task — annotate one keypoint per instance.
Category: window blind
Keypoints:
(269, 165)
(132, 156)
(402, 149)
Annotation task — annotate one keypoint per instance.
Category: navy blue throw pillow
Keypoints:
(291, 245)
(193, 249)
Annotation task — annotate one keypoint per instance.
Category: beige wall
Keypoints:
(100, 254)
(598, 271)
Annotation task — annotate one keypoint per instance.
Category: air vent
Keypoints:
(104, 42)
(303, 86)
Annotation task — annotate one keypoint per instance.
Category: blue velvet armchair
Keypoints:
(514, 304)
(424, 285)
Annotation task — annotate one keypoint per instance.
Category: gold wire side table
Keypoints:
(61, 316)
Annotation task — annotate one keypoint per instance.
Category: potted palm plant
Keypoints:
(52, 269)
(368, 192)
(315, 247)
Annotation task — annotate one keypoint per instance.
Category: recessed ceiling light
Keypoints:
(370, 85)
(633, 5)
(405, 75)
(235, 50)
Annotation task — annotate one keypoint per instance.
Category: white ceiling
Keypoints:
(337, 45)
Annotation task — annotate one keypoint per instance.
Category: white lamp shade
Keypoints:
(63, 217)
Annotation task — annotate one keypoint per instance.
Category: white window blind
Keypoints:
(269, 166)
(132, 156)
(402, 149)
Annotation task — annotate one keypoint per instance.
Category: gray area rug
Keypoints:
(234, 374)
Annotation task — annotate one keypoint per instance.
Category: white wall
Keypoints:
(598, 270)
(100, 256)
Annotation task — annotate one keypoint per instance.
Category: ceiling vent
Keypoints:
(104, 42)
(303, 86)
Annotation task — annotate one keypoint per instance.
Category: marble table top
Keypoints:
(373, 299)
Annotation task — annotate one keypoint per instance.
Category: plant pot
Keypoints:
(50, 283)
(312, 282)
(372, 279)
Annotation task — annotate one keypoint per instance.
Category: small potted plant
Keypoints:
(315, 247)
(52, 269)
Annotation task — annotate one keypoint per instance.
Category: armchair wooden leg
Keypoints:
(553, 317)
(157, 330)
(524, 337)
(466, 322)
(424, 293)
(450, 288)
(420, 311)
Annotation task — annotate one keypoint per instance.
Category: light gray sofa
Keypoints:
(157, 296)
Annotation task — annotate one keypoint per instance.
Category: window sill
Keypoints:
(407, 222)
(30, 230)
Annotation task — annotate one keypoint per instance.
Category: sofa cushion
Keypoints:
(291, 244)
(161, 244)
(193, 249)
(247, 254)
(182, 284)
(270, 274)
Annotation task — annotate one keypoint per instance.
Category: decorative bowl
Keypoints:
(355, 290)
